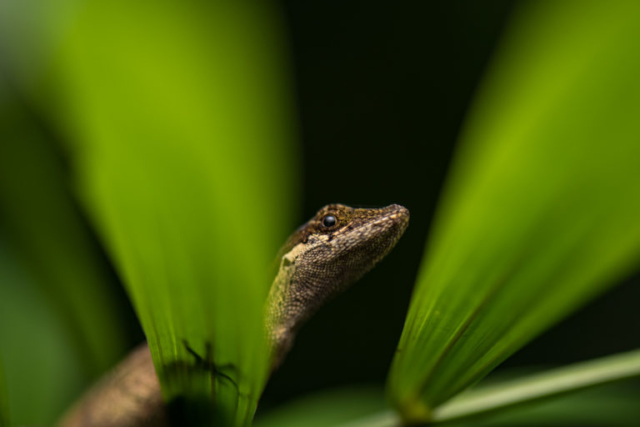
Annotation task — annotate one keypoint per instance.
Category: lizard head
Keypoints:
(346, 229)
(353, 239)
(324, 257)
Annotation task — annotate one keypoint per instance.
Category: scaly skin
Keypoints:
(321, 259)
(319, 262)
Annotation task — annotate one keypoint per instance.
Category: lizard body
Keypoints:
(320, 259)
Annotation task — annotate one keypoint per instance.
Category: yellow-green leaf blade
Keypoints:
(570, 395)
(178, 115)
(545, 385)
(540, 213)
(606, 406)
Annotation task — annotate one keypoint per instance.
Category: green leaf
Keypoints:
(4, 406)
(55, 294)
(327, 408)
(43, 222)
(178, 117)
(39, 389)
(578, 394)
(546, 385)
(540, 213)
(557, 396)
(607, 406)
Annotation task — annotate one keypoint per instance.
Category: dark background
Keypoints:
(382, 91)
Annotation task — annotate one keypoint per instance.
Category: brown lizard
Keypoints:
(320, 259)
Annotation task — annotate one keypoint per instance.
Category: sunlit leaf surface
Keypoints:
(177, 113)
(541, 209)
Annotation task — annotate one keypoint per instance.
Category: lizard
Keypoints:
(318, 261)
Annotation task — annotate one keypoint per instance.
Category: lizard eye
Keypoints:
(329, 221)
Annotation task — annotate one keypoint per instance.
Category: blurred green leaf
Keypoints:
(39, 388)
(4, 406)
(572, 378)
(327, 408)
(604, 405)
(607, 406)
(30, 32)
(42, 221)
(178, 117)
(541, 209)
(54, 293)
